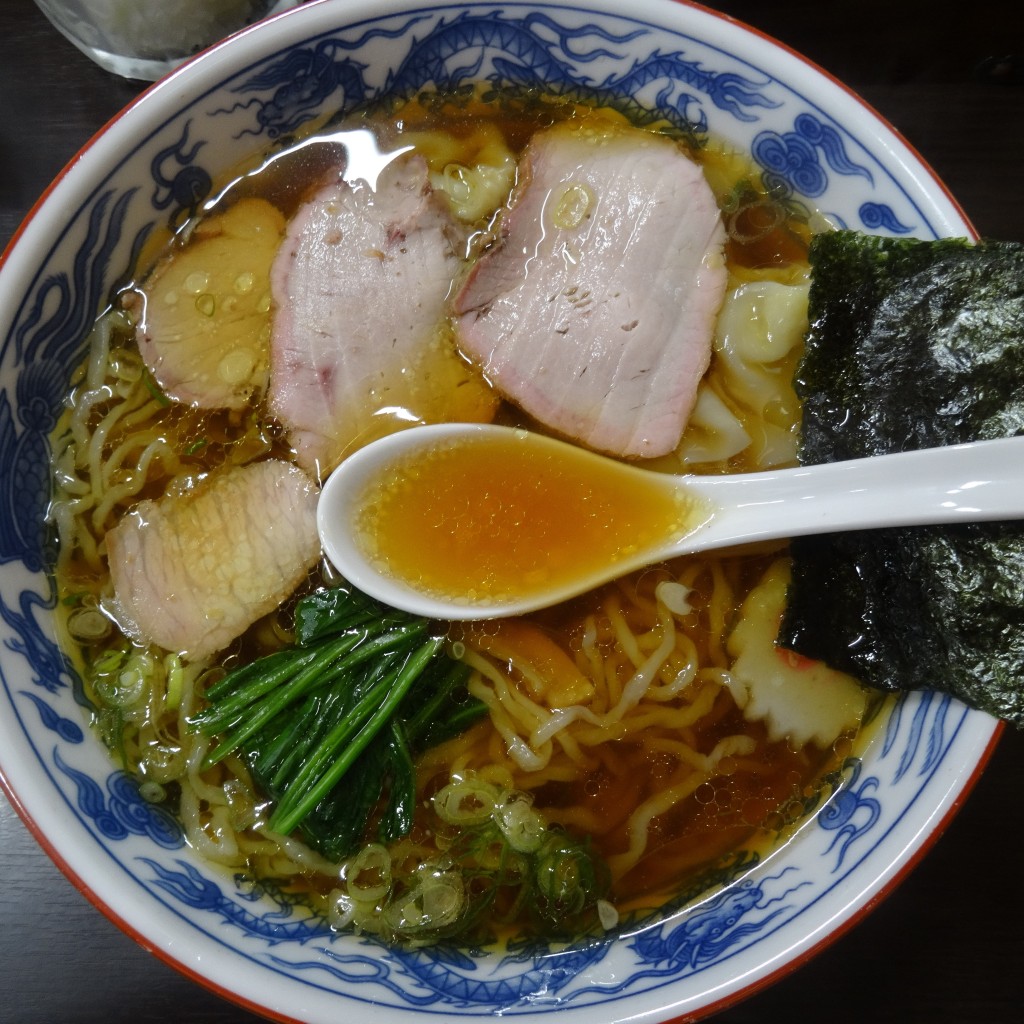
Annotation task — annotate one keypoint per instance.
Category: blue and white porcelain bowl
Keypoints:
(153, 165)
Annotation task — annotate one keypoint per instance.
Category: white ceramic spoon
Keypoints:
(961, 483)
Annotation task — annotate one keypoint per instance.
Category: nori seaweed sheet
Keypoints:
(913, 344)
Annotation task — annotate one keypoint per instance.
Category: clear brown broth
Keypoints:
(743, 810)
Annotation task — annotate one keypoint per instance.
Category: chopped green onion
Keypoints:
(369, 874)
(521, 825)
(465, 802)
(175, 681)
(151, 386)
(435, 904)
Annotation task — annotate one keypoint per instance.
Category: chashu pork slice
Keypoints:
(594, 311)
(193, 570)
(360, 344)
(205, 333)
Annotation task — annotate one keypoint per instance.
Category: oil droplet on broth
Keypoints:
(486, 517)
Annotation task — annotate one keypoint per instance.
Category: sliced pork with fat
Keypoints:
(193, 570)
(359, 343)
(205, 334)
(594, 311)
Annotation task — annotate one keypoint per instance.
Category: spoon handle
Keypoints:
(982, 480)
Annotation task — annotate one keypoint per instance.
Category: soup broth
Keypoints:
(617, 718)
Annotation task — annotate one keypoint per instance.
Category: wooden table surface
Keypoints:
(948, 944)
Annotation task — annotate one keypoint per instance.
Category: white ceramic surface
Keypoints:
(151, 166)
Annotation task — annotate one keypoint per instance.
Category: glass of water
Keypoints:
(145, 39)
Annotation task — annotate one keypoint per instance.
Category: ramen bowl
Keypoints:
(152, 168)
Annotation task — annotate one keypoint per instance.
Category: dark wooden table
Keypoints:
(948, 945)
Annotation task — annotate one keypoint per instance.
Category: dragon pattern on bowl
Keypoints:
(154, 167)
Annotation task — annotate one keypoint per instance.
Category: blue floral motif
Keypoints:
(48, 340)
(70, 732)
(191, 887)
(880, 215)
(729, 92)
(535, 42)
(62, 308)
(926, 733)
(851, 812)
(793, 158)
(709, 931)
(181, 185)
(362, 970)
(446, 975)
(126, 813)
(50, 670)
(301, 82)
(589, 62)
(526, 53)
